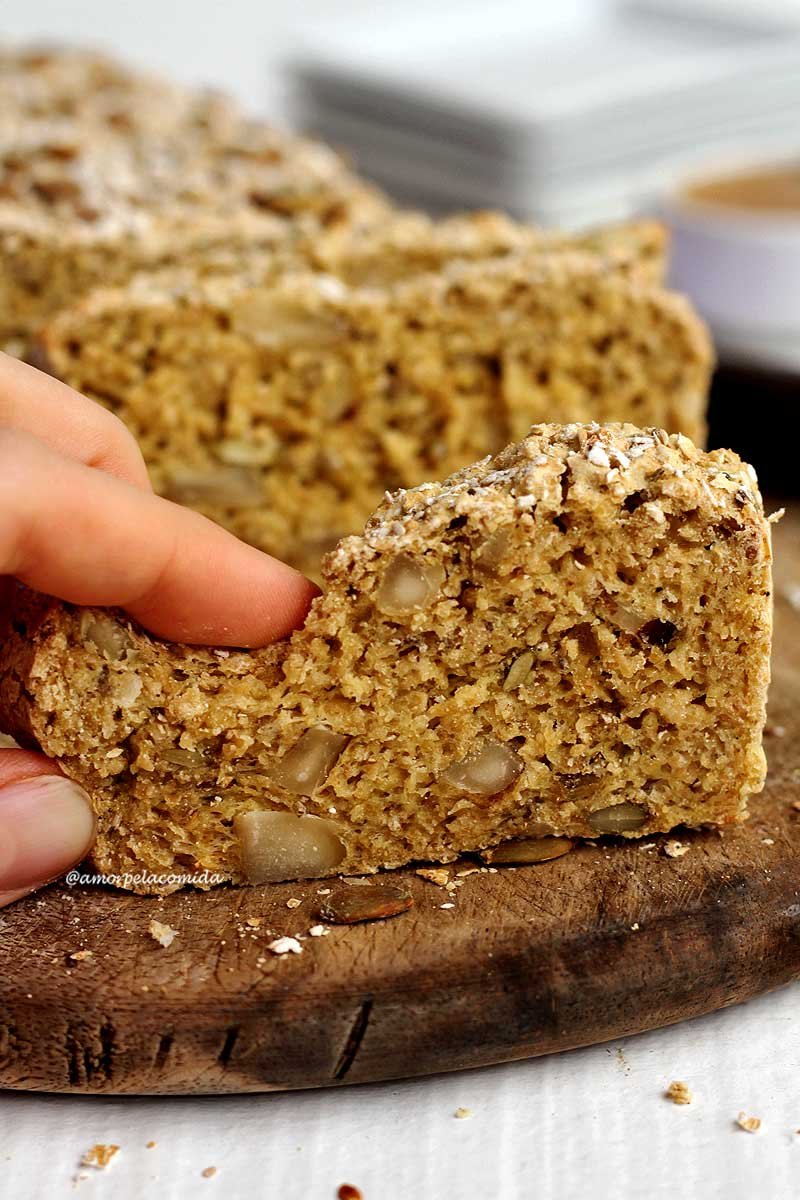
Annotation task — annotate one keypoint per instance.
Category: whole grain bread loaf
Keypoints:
(284, 409)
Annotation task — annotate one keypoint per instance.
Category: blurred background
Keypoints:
(567, 114)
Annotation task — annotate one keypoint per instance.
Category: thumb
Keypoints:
(46, 823)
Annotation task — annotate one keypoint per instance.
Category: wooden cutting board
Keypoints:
(610, 940)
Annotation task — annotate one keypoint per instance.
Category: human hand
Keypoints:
(78, 520)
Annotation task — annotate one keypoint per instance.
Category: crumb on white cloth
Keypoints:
(99, 1155)
(163, 934)
(285, 945)
(679, 1092)
(461, 1114)
(748, 1124)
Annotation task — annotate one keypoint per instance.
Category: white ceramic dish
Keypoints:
(741, 267)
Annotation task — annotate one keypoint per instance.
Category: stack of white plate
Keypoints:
(569, 121)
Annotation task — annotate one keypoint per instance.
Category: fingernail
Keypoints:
(46, 825)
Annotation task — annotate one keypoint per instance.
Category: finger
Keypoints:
(46, 823)
(66, 421)
(89, 538)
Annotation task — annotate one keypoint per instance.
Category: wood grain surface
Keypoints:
(610, 940)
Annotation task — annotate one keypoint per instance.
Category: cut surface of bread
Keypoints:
(403, 244)
(570, 638)
(284, 411)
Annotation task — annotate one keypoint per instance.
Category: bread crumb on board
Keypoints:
(285, 945)
(675, 849)
(679, 1092)
(748, 1124)
(163, 934)
(438, 875)
(99, 1155)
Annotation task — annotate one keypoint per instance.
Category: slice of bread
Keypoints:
(571, 638)
(284, 409)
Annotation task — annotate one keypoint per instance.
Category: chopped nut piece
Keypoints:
(285, 945)
(408, 584)
(749, 1124)
(178, 757)
(489, 770)
(99, 1155)
(627, 619)
(438, 875)
(376, 901)
(491, 553)
(229, 487)
(278, 321)
(679, 1093)
(246, 453)
(310, 760)
(461, 1114)
(110, 638)
(163, 934)
(618, 818)
(518, 672)
(528, 850)
(675, 849)
(282, 845)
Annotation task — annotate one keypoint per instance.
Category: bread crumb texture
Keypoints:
(542, 645)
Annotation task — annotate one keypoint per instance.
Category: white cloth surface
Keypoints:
(592, 1123)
